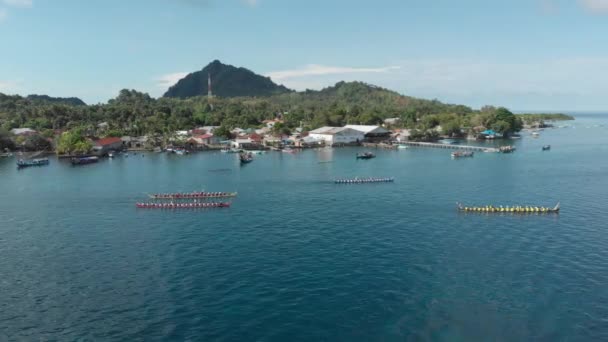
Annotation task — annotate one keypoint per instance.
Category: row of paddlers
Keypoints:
(196, 200)
(190, 205)
(364, 180)
(193, 195)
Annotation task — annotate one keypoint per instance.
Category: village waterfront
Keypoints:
(299, 258)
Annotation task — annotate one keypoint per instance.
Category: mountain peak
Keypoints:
(226, 81)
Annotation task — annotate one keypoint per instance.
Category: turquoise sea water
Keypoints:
(298, 258)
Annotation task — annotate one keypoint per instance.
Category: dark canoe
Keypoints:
(84, 160)
(365, 156)
(33, 162)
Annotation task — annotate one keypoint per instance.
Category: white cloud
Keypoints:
(2, 14)
(19, 3)
(542, 84)
(320, 70)
(251, 3)
(167, 80)
(595, 6)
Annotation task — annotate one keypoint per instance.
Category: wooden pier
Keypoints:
(450, 146)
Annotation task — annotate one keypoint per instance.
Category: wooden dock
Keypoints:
(450, 146)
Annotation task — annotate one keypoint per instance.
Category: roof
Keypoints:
(108, 141)
(322, 130)
(489, 132)
(368, 129)
(205, 136)
(18, 131)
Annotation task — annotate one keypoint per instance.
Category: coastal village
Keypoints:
(203, 138)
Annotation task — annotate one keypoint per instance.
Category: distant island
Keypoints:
(535, 117)
(243, 100)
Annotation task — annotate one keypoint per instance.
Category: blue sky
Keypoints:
(523, 54)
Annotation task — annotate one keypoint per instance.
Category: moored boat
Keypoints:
(462, 154)
(189, 205)
(246, 158)
(507, 149)
(231, 150)
(365, 155)
(34, 162)
(193, 195)
(402, 147)
(84, 160)
(510, 209)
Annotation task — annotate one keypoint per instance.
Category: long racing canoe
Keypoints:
(513, 209)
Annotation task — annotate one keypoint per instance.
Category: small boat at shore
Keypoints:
(193, 195)
(364, 180)
(462, 154)
(189, 205)
(402, 147)
(513, 209)
(506, 149)
(34, 162)
(365, 155)
(84, 160)
(231, 150)
(546, 147)
(246, 158)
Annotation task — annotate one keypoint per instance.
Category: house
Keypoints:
(307, 141)
(245, 144)
(401, 135)
(392, 121)
(337, 135)
(238, 131)
(23, 131)
(271, 123)
(262, 131)
(204, 139)
(371, 132)
(134, 142)
(103, 146)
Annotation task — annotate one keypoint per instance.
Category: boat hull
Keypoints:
(189, 205)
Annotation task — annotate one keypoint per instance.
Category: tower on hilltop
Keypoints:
(209, 93)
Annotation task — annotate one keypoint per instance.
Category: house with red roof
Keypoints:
(101, 147)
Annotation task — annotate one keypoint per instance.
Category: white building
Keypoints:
(337, 135)
(370, 131)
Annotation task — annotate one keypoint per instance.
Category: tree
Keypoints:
(280, 129)
(6, 143)
(36, 143)
(73, 142)
(222, 132)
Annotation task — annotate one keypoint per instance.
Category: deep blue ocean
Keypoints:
(298, 258)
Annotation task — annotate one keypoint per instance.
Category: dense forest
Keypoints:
(135, 113)
(227, 81)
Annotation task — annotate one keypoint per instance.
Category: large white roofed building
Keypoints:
(337, 135)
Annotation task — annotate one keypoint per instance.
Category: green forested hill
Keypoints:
(226, 81)
(136, 113)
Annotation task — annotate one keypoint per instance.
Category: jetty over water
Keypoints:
(450, 146)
